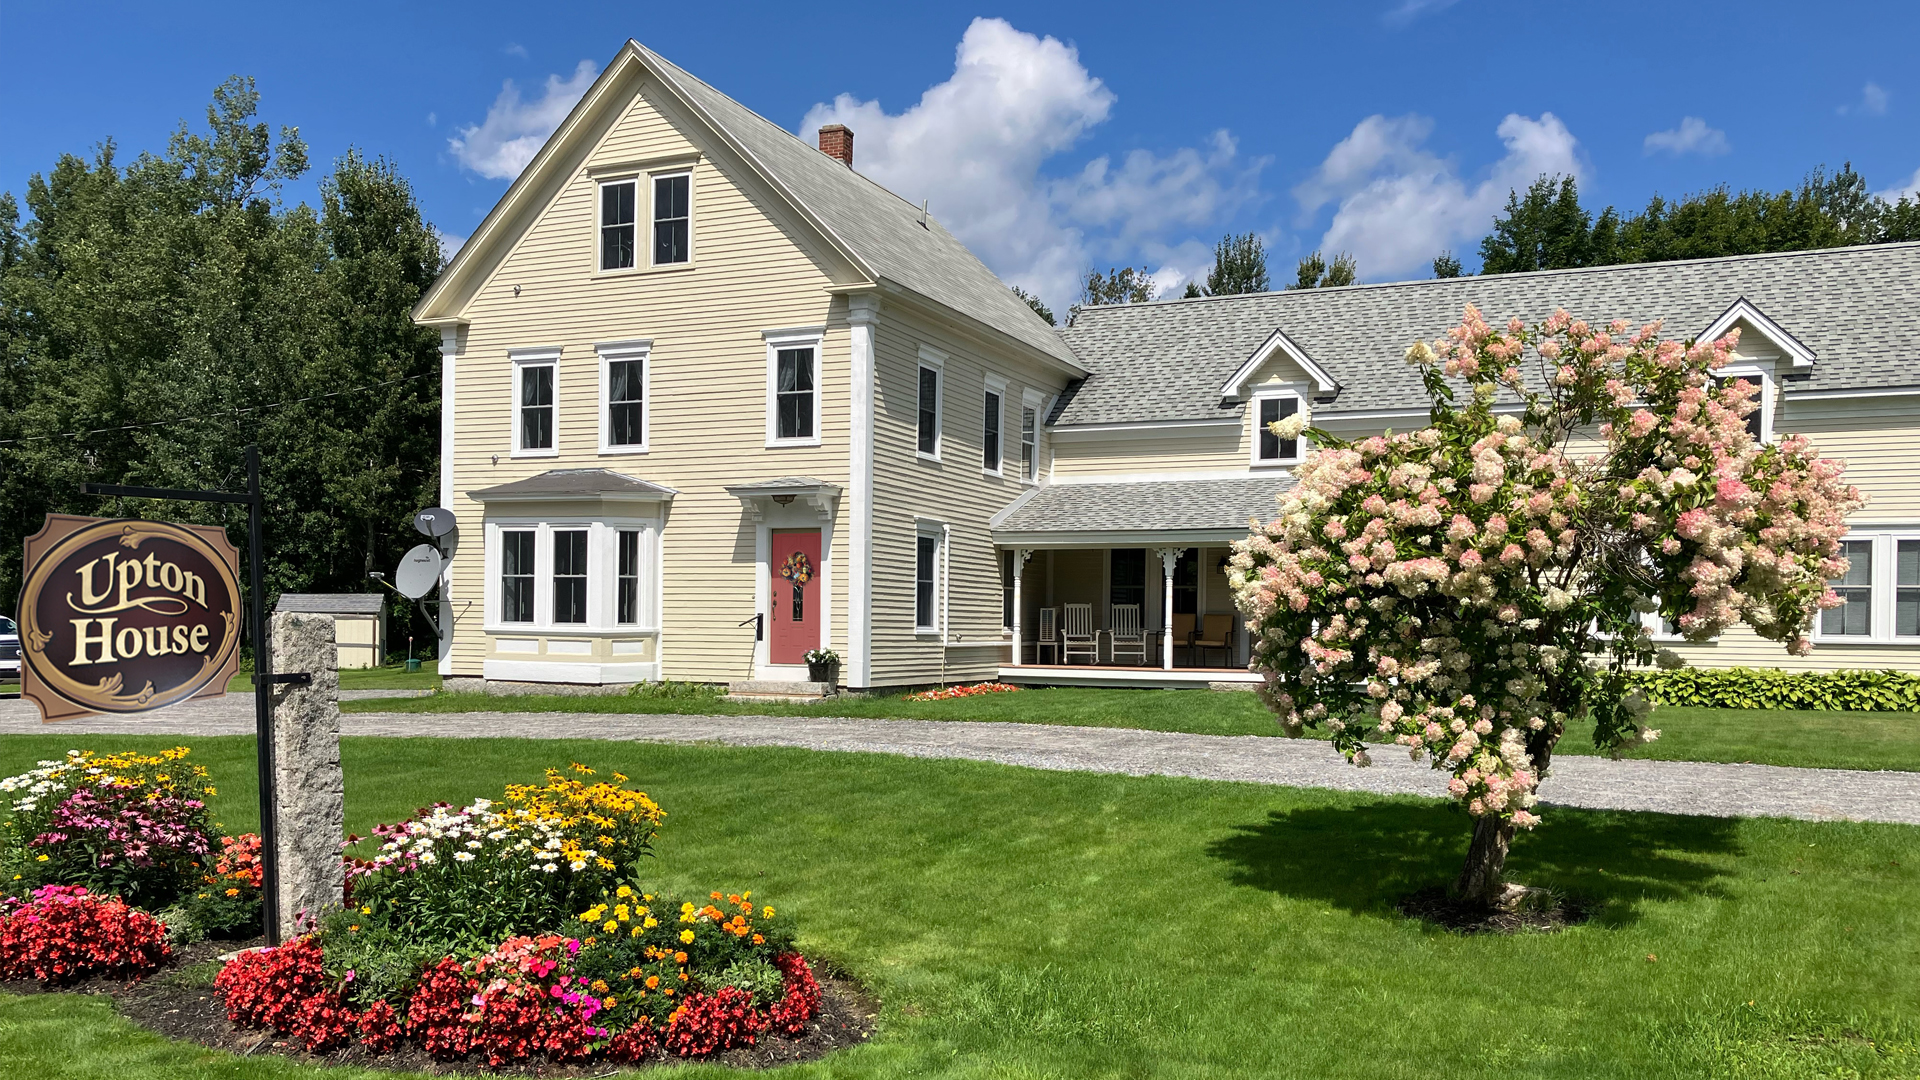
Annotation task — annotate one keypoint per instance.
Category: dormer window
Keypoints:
(617, 225)
(1760, 420)
(1269, 408)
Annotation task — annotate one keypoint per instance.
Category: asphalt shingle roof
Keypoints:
(1854, 307)
(880, 227)
(1147, 506)
(561, 483)
(331, 603)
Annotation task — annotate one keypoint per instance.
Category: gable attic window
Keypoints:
(672, 216)
(1760, 420)
(535, 413)
(617, 224)
(1270, 409)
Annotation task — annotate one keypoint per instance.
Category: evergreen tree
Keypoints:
(1035, 303)
(1191, 292)
(174, 310)
(1445, 265)
(1126, 285)
(1239, 266)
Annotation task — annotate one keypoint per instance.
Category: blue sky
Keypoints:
(1050, 136)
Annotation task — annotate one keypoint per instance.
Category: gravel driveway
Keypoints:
(1674, 787)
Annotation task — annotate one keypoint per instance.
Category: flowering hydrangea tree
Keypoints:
(1471, 589)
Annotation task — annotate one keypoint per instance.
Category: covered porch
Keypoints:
(1125, 584)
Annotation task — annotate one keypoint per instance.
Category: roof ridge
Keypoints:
(1569, 270)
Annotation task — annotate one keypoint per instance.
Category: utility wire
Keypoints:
(219, 415)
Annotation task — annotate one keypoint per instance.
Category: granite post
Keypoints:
(310, 789)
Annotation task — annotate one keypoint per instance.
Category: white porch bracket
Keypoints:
(1169, 558)
(1020, 557)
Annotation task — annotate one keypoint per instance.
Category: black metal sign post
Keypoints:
(263, 677)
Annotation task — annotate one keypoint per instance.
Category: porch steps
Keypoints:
(798, 693)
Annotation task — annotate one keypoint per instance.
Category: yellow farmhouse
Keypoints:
(713, 401)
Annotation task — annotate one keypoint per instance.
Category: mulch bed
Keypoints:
(167, 1004)
(1550, 913)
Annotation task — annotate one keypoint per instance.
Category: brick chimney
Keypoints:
(836, 141)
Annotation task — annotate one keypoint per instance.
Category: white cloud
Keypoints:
(1409, 10)
(1693, 136)
(1910, 188)
(1873, 101)
(975, 146)
(450, 244)
(514, 48)
(514, 130)
(1400, 204)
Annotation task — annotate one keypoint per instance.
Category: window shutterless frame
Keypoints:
(928, 404)
(926, 581)
(1760, 420)
(626, 396)
(793, 387)
(1881, 587)
(536, 402)
(569, 583)
(516, 575)
(992, 418)
(619, 224)
(1270, 407)
(672, 231)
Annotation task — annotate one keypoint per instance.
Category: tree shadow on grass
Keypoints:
(1366, 858)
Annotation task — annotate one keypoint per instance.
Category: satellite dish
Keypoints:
(434, 521)
(419, 571)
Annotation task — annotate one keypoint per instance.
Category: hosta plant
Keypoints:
(1473, 589)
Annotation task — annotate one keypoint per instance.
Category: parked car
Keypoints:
(9, 649)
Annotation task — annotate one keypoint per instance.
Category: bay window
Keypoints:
(569, 576)
(516, 576)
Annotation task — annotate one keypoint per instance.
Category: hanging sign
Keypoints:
(121, 616)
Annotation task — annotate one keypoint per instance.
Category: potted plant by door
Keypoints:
(823, 666)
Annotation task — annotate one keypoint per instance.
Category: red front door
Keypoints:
(795, 617)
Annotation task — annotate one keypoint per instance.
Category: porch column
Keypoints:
(1169, 557)
(1020, 557)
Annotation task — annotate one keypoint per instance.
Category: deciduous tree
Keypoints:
(1472, 590)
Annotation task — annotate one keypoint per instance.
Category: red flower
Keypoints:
(64, 934)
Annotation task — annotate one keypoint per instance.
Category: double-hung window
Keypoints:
(928, 401)
(1268, 447)
(569, 576)
(1127, 577)
(793, 387)
(623, 396)
(1029, 445)
(617, 224)
(672, 219)
(1881, 588)
(516, 575)
(926, 581)
(990, 432)
(535, 412)
(627, 580)
(1760, 420)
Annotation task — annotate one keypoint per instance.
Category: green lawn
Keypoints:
(1830, 740)
(1027, 924)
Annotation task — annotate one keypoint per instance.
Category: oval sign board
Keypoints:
(122, 616)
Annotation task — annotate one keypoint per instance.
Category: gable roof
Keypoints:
(1143, 506)
(1851, 308)
(876, 231)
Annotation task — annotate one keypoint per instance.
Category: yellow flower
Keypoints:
(686, 937)
(766, 913)
(611, 926)
(366, 910)
(42, 858)
(636, 930)
(610, 1002)
(651, 923)
(623, 892)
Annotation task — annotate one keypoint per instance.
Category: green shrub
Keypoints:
(668, 689)
(1771, 688)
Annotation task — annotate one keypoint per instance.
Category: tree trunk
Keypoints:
(1480, 879)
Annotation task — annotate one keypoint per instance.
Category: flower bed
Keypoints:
(514, 930)
(948, 693)
(63, 934)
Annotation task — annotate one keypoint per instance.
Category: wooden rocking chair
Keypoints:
(1080, 637)
(1128, 636)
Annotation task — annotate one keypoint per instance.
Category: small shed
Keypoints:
(359, 623)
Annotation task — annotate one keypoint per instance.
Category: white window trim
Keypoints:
(1886, 546)
(996, 386)
(1032, 399)
(1265, 393)
(936, 530)
(800, 337)
(653, 180)
(599, 211)
(610, 351)
(1755, 373)
(603, 566)
(935, 361)
(522, 359)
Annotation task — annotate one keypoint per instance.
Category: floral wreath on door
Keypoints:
(797, 569)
